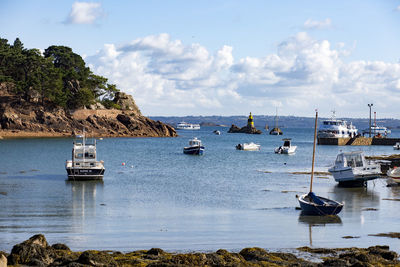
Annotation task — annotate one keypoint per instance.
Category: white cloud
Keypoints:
(315, 24)
(167, 77)
(84, 13)
(397, 8)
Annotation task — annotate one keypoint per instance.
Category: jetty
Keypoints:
(358, 141)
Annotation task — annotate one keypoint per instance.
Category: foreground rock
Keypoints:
(21, 118)
(37, 252)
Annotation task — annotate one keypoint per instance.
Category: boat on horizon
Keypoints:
(84, 164)
(195, 147)
(352, 169)
(335, 128)
(310, 203)
(187, 126)
(248, 146)
(286, 148)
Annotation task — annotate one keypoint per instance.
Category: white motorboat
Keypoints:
(187, 126)
(195, 147)
(248, 146)
(377, 130)
(351, 168)
(334, 128)
(286, 148)
(217, 132)
(394, 174)
(84, 165)
(397, 146)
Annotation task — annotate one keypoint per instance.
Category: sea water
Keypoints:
(153, 195)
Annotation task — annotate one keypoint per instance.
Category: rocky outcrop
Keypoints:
(126, 102)
(19, 117)
(246, 129)
(37, 252)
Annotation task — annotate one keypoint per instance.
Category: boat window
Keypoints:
(358, 160)
(77, 164)
(326, 123)
(79, 155)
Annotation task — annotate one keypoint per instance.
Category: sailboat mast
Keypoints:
(313, 153)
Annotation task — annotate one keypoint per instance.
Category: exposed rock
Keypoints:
(22, 118)
(126, 102)
(3, 259)
(37, 252)
(34, 251)
(245, 129)
(96, 258)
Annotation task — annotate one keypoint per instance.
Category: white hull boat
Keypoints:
(351, 168)
(187, 126)
(334, 128)
(248, 146)
(394, 174)
(286, 148)
(396, 146)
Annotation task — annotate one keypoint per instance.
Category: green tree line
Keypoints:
(58, 75)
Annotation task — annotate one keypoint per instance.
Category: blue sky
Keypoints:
(228, 57)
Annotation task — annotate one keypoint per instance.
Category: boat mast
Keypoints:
(313, 153)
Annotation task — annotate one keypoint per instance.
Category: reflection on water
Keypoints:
(356, 198)
(313, 221)
(84, 197)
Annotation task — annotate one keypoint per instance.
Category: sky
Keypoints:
(214, 57)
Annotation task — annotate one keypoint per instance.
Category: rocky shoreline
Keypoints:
(37, 252)
(20, 118)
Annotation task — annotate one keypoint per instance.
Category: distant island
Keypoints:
(56, 94)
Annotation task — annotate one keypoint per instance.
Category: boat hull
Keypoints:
(82, 174)
(197, 150)
(285, 150)
(349, 177)
(329, 207)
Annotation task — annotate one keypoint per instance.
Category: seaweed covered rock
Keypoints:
(246, 129)
(34, 251)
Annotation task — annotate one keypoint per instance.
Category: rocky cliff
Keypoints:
(24, 118)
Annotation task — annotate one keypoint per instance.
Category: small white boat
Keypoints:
(187, 126)
(286, 148)
(394, 174)
(351, 168)
(396, 146)
(217, 132)
(248, 146)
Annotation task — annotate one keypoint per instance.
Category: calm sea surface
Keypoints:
(163, 198)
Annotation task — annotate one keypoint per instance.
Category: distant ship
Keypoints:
(334, 128)
(187, 126)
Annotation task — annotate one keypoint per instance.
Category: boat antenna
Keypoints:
(313, 153)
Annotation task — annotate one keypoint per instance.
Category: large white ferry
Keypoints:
(187, 126)
(334, 128)
(84, 165)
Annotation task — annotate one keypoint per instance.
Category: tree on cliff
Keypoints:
(59, 75)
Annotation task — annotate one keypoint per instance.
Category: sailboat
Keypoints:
(312, 204)
(276, 130)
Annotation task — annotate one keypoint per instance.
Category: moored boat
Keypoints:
(286, 148)
(248, 146)
(84, 164)
(187, 126)
(352, 169)
(335, 128)
(195, 147)
(396, 146)
(312, 204)
(394, 174)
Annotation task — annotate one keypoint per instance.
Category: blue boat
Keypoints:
(195, 147)
(315, 205)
